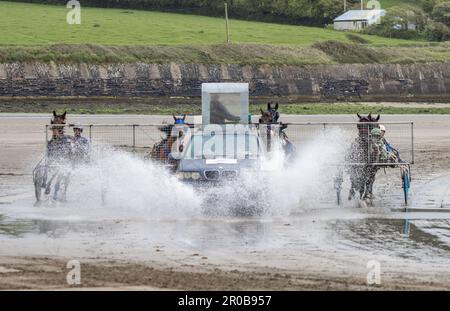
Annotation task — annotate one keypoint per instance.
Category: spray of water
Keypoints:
(307, 182)
(122, 182)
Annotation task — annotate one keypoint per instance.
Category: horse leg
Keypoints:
(66, 181)
(38, 182)
(38, 193)
(371, 180)
(368, 182)
(49, 184)
(44, 178)
(360, 185)
(353, 184)
(57, 187)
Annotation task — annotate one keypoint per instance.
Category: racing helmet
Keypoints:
(78, 127)
(375, 132)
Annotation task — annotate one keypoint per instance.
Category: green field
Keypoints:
(390, 3)
(34, 32)
(35, 24)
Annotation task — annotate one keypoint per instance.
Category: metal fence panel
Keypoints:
(142, 137)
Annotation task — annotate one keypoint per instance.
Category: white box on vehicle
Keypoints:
(224, 103)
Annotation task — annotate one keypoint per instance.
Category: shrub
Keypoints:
(397, 21)
(441, 13)
(437, 31)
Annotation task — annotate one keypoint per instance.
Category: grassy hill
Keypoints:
(390, 3)
(34, 32)
(31, 24)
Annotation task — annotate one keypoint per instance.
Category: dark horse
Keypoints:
(362, 172)
(161, 151)
(271, 117)
(54, 168)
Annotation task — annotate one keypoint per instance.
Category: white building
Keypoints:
(358, 19)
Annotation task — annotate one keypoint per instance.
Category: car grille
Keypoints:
(229, 174)
(216, 175)
(212, 175)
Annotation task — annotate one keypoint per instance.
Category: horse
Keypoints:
(53, 168)
(161, 151)
(362, 172)
(271, 117)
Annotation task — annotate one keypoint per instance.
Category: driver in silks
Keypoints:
(380, 150)
(81, 146)
(389, 147)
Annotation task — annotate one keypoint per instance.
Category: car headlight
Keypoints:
(189, 175)
(195, 175)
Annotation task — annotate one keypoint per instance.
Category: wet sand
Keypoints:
(324, 248)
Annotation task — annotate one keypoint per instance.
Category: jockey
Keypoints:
(81, 146)
(387, 144)
(287, 145)
(380, 149)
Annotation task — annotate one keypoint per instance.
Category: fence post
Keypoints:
(412, 142)
(90, 133)
(369, 144)
(46, 135)
(134, 137)
(226, 23)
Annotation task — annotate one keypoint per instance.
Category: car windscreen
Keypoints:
(229, 146)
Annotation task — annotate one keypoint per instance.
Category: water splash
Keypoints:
(120, 181)
(126, 185)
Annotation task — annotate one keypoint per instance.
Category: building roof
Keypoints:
(360, 15)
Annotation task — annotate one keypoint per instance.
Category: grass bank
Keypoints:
(159, 106)
(326, 52)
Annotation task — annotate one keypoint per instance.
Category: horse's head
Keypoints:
(181, 120)
(369, 118)
(271, 115)
(59, 120)
(366, 124)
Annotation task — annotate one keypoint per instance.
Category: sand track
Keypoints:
(312, 249)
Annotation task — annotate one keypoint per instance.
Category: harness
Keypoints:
(59, 148)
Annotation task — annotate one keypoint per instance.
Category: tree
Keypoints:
(327, 9)
(437, 31)
(428, 5)
(399, 21)
(441, 13)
